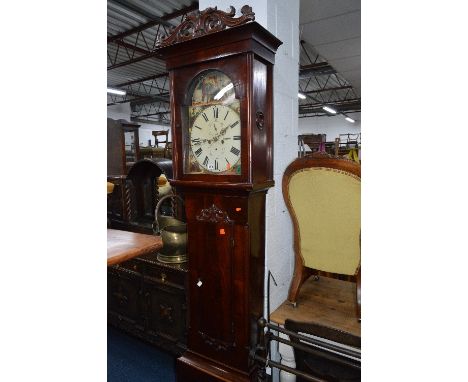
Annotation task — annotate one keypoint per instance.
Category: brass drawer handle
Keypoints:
(163, 277)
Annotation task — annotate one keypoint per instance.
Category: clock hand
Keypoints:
(198, 141)
(221, 133)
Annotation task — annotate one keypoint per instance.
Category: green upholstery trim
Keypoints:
(327, 206)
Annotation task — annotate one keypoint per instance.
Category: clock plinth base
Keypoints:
(191, 367)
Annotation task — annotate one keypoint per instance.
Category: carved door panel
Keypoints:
(210, 243)
(166, 307)
(123, 294)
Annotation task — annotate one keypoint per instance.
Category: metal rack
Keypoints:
(347, 356)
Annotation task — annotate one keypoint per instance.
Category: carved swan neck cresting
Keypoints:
(211, 20)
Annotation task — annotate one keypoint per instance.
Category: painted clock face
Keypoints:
(213, 139)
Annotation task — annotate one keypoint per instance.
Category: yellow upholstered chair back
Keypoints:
(323, 195)
(327, 206)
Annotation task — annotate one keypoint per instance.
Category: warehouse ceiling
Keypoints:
(330, 59)
(329, 69)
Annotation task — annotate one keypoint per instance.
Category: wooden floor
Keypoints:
(327, 302)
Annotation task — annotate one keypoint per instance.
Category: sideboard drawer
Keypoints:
(165, 275)
(132, 265)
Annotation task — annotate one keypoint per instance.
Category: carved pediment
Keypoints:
(210, 20)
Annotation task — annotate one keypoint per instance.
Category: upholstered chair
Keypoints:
(323, 196)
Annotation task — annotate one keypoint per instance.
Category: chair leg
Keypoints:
(301, 274)
(358, 294)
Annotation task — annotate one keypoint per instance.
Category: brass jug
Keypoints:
(162, 221)
(174, 248)
(173, 233)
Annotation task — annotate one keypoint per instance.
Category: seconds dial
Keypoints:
(215, 138)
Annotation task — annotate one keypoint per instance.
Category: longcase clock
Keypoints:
(221, 74)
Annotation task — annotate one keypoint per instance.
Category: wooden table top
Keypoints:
(328, 302)
(124, 245)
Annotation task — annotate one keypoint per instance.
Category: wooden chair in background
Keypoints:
(161, 133)
(323, 196)
(313, 141)
(161, 149)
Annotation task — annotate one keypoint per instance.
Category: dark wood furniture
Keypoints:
(160, 133)
(122, 146)
(123, 245)
(118, 200)
(131, 205)
(153, 152)
(225, 205)
(161, 149)
(147, 299)
(322, 194)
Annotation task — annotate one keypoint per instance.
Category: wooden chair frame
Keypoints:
(302, 273)
(160, 133)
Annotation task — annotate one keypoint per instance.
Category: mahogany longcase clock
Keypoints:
(221, 74)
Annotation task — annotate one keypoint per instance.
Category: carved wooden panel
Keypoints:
(211, 20)
(148, 299)
(166, 311)
(211, 278)
(123, 293)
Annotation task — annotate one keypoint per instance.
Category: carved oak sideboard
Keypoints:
(147, 299)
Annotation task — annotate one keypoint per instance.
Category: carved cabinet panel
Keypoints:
(123, 295)
(167, 312)
(211, 278)
(219, 245)
(148, 299)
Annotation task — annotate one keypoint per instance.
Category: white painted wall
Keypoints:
(332, 126)
(123, 111)
(282, 19)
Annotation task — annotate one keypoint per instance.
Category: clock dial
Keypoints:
(215, 138)
(212, 139)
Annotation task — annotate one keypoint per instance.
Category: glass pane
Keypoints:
(130, 149)
(213, 138)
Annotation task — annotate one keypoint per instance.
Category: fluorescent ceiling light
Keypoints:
(329, 109)
(349, 119)
(116, 91)
(301, 96)
(220, 94)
